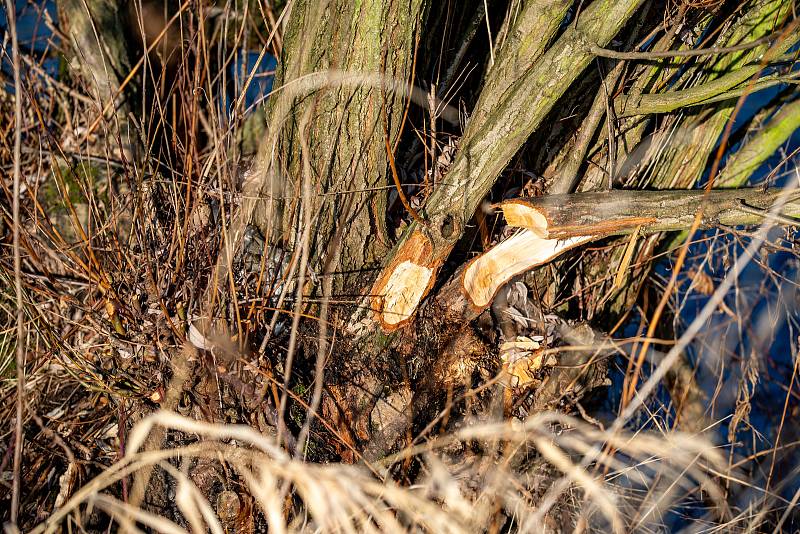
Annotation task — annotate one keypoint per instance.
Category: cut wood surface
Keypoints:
(398, 292)
(490, 271)
(498, 128)
(556, 223)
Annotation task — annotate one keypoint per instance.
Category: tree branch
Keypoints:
(619, 212)
(712, 51)
(556, 223)
(762, 145)
(701, 94)
(488, 146)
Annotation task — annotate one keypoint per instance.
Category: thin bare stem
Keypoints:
(714, 50)
(20, 350)
(398, 185)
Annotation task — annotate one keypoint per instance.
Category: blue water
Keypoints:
(36, 40)
(261, 85)
(32, 31)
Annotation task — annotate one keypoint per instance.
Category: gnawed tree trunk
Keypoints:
(326, 153)
(528, 84)
(319, 184)
(554, 224)
(486, 148)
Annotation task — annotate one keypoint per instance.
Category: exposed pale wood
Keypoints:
(343, 98)
(399, 290)
(488, 272)
(557, 223)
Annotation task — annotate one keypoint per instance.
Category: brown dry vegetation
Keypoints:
(400, 296)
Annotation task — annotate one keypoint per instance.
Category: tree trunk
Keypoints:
(100, 54)
(498, 131)
(324, 167)
(343, 80)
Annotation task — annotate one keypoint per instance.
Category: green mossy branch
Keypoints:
(760, 147)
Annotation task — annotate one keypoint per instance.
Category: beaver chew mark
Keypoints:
(522, 216)
(403, 291)
(488, 272)
(532, 247)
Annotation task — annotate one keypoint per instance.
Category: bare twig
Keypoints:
(726, 85)
(714, 50)
(676, 351)
(399, 186)
(20, 351)
(767, 214)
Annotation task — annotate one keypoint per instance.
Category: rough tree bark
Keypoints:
(100, 54)
(330, 130)
(318, 186)
(327, 146)
(484, 151)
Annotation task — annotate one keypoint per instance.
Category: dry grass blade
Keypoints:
(21, 340)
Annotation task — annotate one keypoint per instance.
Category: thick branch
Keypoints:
(701, 94)
(489, 144)
(533, 30)
(621, 212)
(557, 223)
(763, 144)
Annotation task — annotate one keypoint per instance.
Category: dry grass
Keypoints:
(645, 475)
